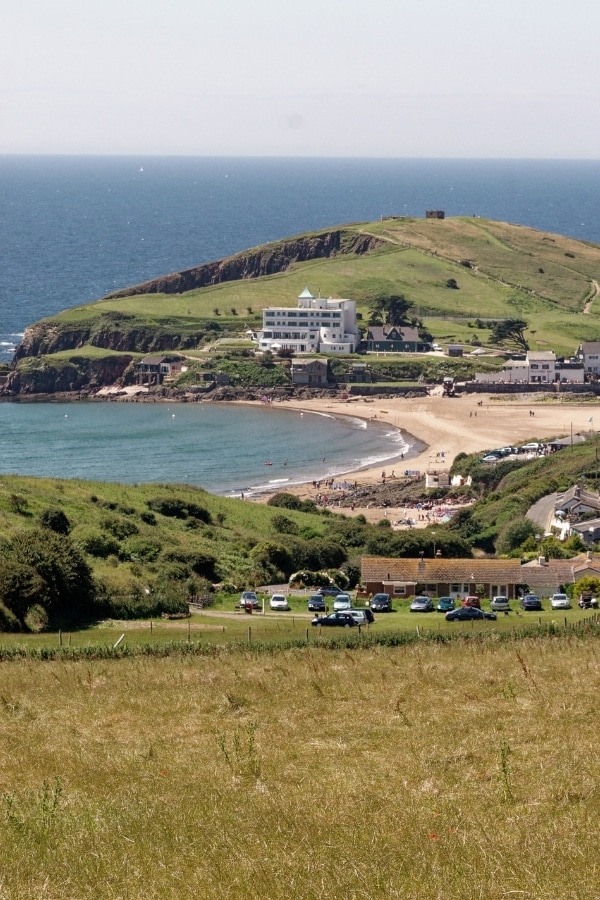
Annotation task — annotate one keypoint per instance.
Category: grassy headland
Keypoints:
(498, 271)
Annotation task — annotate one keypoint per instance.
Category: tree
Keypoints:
(510, 330)
(68, 586)
(391, 309)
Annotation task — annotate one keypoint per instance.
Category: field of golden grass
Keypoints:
(455, 770)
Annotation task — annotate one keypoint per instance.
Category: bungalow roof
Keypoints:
(451, 571)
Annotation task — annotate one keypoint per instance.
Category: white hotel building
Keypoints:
(315, 326)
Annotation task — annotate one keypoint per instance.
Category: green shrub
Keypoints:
(139, 548)
(119, 528)
(56, 520)
(96, 543)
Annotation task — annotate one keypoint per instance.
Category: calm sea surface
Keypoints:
(75, 228)
(224, 448)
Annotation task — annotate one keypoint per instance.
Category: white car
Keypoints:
(279, 602)
(560, 601)
(342, 601)
(500, 604)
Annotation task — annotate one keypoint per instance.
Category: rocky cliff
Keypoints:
(65, 375)
(265, 260)
(124, 333)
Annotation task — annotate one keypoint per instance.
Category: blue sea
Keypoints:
(73, 229)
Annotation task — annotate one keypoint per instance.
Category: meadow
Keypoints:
(427, 770)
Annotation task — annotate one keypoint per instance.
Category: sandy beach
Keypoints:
(446, 426)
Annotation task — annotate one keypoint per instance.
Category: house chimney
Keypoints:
(542, 561)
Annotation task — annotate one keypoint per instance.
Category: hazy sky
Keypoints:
(412, 78)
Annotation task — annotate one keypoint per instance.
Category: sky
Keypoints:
(385, 78)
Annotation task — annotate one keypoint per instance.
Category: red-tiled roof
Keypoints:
(432, 571)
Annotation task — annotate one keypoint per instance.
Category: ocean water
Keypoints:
(73, 229)
(225, 449)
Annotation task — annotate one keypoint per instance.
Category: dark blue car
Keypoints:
(468, 613)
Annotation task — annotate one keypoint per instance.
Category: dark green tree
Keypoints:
(391, 309)
(510, 331)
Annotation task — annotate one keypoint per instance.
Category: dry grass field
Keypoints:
(459, 770)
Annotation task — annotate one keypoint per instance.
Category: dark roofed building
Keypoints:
(393, 338)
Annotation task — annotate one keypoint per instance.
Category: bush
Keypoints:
(175, 508)
(284, 525)
(119, 528)
(56, 520)
(96, 543)
(139, 548)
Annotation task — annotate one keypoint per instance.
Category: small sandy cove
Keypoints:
(468, 423)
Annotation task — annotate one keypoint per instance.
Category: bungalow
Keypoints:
(545, 577)
(441, 577)
(392, 339)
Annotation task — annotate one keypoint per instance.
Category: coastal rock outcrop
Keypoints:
(265, 260)
(66, 375)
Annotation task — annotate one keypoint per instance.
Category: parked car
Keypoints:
(531, 602)
(500, 604)
(249, 600)
(279, 602)
(340, 619)
(491, 457)
(361, 616)
(472, 601)
(445, 604)
(468, 613)
(316, 603)
(329, 590)
(587, 600)
(342, 601)
(560, 601)
(422, 604)
(381, 603)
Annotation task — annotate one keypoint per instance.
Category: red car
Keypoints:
(474, 602)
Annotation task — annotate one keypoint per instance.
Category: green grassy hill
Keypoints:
(501, 270)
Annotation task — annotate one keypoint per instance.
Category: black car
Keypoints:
(329, 590)
(468, 613)
(339, 619)
(316, 603)
(531, 602)
(381, 603)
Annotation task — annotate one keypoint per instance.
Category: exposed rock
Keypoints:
(266, 260)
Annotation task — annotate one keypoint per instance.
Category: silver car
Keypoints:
(500, 604)
(560, 601)
(342, 601)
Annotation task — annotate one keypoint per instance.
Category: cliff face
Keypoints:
(267, 260)
(123, 333)
(43, 376)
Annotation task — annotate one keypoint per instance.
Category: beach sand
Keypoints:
(469, 423)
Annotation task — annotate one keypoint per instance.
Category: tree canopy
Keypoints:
(510, 330)
(389, 309)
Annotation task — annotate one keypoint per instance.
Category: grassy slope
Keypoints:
(243, 524)
(420, 257)
(399, 772)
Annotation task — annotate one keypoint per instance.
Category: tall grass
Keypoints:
(462, 769)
